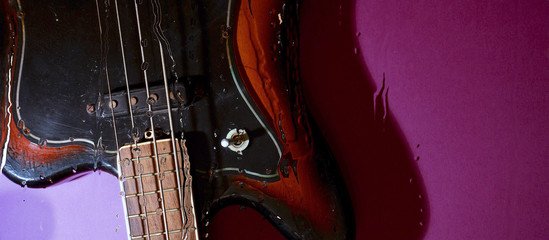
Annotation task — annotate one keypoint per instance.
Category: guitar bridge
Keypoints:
(156, 188)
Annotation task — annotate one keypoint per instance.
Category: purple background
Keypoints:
(468, 81)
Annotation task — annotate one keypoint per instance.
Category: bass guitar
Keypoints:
(193, 105)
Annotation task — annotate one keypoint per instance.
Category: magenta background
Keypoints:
(468, 81)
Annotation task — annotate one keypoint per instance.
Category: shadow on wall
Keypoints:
(19, 206)
(382, 177)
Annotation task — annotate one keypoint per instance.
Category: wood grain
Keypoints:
(151, 191)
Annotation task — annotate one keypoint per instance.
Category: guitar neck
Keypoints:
(156, 187)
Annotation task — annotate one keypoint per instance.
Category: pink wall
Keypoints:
(468, 82)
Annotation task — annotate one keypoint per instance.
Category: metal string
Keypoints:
(156, 7)
(152, 123)
(144, 207)
(103, 53)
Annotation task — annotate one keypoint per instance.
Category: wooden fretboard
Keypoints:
(157, 207)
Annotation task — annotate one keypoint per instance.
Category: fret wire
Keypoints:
(150, 174)
(159, 234)
(149, 193)
(144, 207)
(152, 213)
(160, 155)
(151, 119)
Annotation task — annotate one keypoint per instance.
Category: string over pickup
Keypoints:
(117, 101)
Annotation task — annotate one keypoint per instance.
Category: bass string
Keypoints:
(151, 120)
(134, 131)
(157, 29)
(104, 51)
(159, 35)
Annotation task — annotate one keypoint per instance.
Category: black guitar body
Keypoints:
(74, 92)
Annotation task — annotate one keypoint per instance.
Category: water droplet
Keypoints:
(144, 42)
(417, 146)
(421, 210)
(150, 114)
(41, 177)
(136, 134)
(142, 201)
(137, 151)
(143, 217)
(163, 161)
(122, 178)
(355, 50)
(153, 98)
(421, 224)
(162, 176)
(144, 66)
(159, 211)
(74, 170)
(140, 169)
(121, 193)
(126, 162)
(420, 196)
(159, 199)
(417, 158)
(358, 34)
(411, 180)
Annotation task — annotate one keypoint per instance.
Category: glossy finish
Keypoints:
(218, 73)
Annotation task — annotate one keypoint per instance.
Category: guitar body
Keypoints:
(84, 79)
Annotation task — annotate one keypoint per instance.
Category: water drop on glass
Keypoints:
(141, 169)
(144, 42)
(137, 151)
(136, 133)
(144, 66)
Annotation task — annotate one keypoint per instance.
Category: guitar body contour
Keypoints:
(85, 79)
